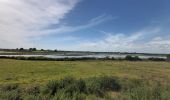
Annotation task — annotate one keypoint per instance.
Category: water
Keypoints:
(87, 56)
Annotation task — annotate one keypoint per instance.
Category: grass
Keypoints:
(94, 88)
(25, 72)
(88, 80)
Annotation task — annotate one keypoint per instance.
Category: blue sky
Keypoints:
(87, 25)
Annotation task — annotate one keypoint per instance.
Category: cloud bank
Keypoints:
(23, 19)
(148, 40)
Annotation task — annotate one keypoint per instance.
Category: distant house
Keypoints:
(168, 57)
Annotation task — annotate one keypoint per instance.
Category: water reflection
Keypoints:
(87, 56)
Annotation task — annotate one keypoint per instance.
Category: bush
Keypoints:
(95, 88)
(100, 85)
(69, 86)
(78, 86)
(9, 87)
(65, 89)
(168, 57)
(130, 58)
(157, 59)
(50, 88)
(53, 86)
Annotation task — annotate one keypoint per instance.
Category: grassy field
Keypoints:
(18, 71)
(139, 80)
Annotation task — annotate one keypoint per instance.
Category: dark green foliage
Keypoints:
(157, 59)
(106, 58)
(51, 88)
(79, 86)
(55, 50)
(99, 85)
(94, 88)
(113, 58)
(54, 86)
(41, 58)
(70, 87)
(21, 49)
(67, 85)
(168, 57)
(131, 58)
(32, 49)
(9, 87)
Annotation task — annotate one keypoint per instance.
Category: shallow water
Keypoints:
(87, 56)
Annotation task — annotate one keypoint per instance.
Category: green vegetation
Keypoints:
(88, 80)
(24, 72)
(168, 57)
(94, 88)
(131, 58)
(157, 59)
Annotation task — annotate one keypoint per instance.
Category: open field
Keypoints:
(18, 71)
(100, 80)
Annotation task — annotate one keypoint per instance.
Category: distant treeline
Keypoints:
(41, 58)
(49, 51)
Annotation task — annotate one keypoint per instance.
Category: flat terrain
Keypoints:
(26, 72)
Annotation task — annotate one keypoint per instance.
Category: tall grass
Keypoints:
(95, 88)
(65, 89)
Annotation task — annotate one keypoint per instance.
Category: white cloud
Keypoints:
(21, 19)
(135, 42)
(93, 22)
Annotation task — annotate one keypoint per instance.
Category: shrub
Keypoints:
(50, 88)
(130, 58)
(65, 89)
(168, 57)
(157, 59)
(78, 86)
(9, 87)
(53, 86)
(100, 85)
(32, 49)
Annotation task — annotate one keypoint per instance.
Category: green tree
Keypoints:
(21, 49)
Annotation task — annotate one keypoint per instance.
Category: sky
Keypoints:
(86, 25)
